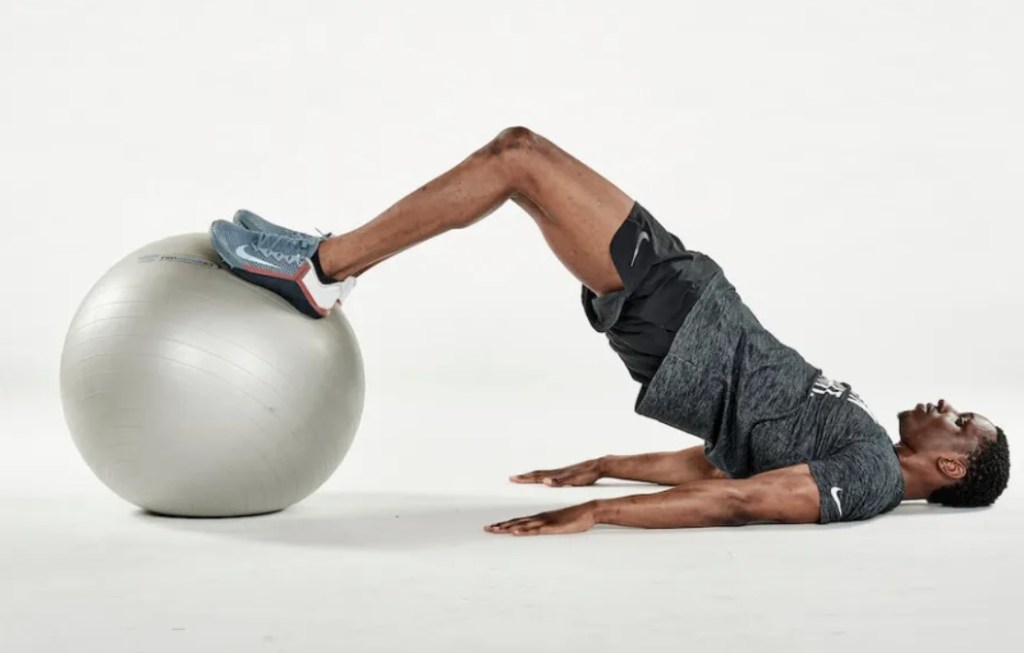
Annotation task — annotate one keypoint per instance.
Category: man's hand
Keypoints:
(585, 473)
(574, 519)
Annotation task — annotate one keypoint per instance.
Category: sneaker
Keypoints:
(279, 263)
(253, 222)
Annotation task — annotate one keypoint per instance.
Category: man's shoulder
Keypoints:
(860, 480)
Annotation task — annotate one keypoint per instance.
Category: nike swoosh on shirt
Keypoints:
(835, 497)
(640, 239)
(241, 253)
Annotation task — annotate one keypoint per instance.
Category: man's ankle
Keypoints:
(318, 267)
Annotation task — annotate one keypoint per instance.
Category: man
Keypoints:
(782, 442)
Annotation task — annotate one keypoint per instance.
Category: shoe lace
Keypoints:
(285, 249)
(314, 240)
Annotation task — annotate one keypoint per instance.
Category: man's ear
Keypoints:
(954, 468)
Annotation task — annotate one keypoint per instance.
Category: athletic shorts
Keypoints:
(662, 281)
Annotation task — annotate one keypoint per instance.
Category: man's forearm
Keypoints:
(700, 503)
(663, 468)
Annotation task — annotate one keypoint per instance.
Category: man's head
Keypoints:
(964, 456)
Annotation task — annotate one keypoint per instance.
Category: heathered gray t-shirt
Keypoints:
(758, 405)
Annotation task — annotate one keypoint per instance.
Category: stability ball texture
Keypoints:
(191, 392)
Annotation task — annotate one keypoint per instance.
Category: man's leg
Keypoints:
(578, 211)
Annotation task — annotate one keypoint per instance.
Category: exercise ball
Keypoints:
(190, 392)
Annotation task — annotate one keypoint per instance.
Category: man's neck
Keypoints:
(915, 485)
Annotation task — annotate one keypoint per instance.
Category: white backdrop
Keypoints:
(854, 166)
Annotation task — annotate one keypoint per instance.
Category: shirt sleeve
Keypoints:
(859, 481)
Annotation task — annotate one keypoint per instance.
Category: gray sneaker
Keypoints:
(253, 222)
(279, 263)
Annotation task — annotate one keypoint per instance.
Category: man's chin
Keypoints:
(900, 418)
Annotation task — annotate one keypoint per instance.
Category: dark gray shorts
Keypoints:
(662, 281)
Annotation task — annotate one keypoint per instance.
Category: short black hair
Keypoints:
(988, 472)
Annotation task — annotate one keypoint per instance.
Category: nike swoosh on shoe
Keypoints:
(242, 254)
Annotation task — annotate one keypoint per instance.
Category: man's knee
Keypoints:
(519, 153)
(514, 140)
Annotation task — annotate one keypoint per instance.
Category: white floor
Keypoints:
(390, 556)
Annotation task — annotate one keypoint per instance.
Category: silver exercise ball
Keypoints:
(191, 392)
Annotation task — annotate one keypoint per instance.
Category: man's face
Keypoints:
(941, 429)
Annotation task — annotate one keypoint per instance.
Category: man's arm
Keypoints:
(787, 495)
(664, 468)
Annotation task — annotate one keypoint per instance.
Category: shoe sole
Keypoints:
(319, 298)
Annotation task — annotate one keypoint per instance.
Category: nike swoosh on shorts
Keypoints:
(640, 239)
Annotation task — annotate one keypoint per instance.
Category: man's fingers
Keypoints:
(552, 477)
(511, 525)
(539, 525)
(567, 520)
(567, 478)
(510, 522)
(536, 476)
(547, 527)
(526, 527)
